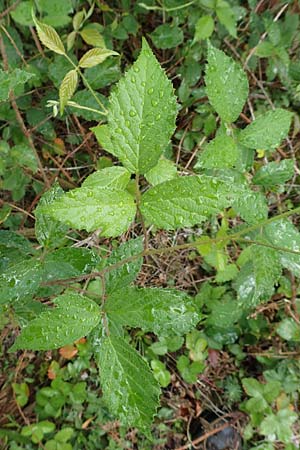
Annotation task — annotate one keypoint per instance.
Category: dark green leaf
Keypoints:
(167, 36)
(274, 173)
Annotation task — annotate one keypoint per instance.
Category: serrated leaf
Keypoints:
(226, 85)
(163, 171)
(274, 173)
(49, 233)
(115, 177)
(92, 37)
(184, 202)
(10, 80)
(67, 88)
(164, 312)
(141, 117)
(289, 330)
(49, 37)
(267, 131)
(20, 280)
(95, 56)
(278, 427)
(120, 277)
(129, 388)
(110, 210)
(224, 313)
(284, 234)
(220, 153)
(251, 206)
(204, 28)
(167, 36)
(73, 317)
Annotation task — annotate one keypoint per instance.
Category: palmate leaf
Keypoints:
(267, 131)
(73, 317)
(111, 210)
(95, 56)
(129, 388)
(184, 201)
(67, 88)
(49, 37)
(141, 117)
(162, 311)
(226, 85)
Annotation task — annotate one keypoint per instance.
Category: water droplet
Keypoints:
(118, 130)
(157, 117)
(132, 113)
(154, 103)
(133, 80)
(161, 94)
(150, 91)
(143, 83)
(127, 123)
(136, 69)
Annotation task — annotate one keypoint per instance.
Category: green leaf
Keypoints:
(278, 427)
(23, 155)
(22, 13)
(163, 171)
(20, 280)
(184, 202)
(10, 80)
(129, 388)
(73, 317)
(267, 131)
(95, 56)
(226, 17)
(49, 37)
(67, 88)
(274, 173)
(204, 28)
(282, 233)
(161, 311)
(100, 76)
(91, 36)
(220, 153)
(251, 206)
(224, 313)
(141, 117)
(116, 177)
(50, 233)
(167, 36)
(289, 330)
(226, 85)
(120, 277)
(111, 210)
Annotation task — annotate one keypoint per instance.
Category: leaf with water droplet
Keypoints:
(73, 317)
(163, 171)
(134, 107)
(226, 85)
(129, 388)
(116, 177)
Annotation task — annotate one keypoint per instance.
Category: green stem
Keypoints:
(87, 85)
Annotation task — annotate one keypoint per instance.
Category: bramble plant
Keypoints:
(149, 190)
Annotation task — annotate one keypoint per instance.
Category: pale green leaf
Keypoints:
(92, 37)
(220, 153)
(163, 171)
(110, 210)
(10, 80)
(282, 233)
(267, 131)
(141, 117)
(121, 276)
(184, 201)
(67, 88)
(115, 177)
(129, 388)
(204, 28)
(161, 311)
(274, 173)
(78, 19)
(279, 426)
(49, 37)
(226, 85)
(289, 330)
(49, 233)
(95, 56)
(73, 317)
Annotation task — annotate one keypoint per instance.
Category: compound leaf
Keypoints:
(184, 201)
(162, 311)
(129, 388)
(67, 88)
(141, 117)
(73, 317)
(267, 131)
(111, 210)
(226, 85)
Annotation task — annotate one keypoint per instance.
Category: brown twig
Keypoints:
(9, 9)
